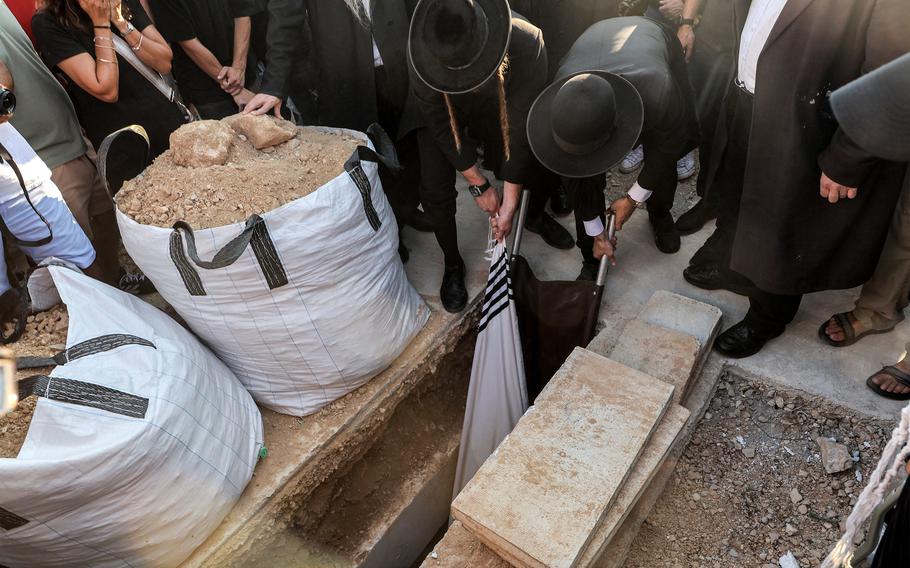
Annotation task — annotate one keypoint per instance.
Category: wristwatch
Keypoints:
(636, 204)
(478, 190)
(129, 28)
(687, 22)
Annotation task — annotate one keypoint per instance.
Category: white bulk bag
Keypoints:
(304, 303)
(139, 445)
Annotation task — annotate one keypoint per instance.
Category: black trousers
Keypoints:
(709, 73)
(767, 311)
(401, 189)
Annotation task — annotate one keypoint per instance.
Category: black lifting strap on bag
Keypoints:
(81, 393)
(255, 234)
(88, 394)
(6, 157)
(384, 155)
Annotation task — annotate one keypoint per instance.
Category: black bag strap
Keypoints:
(89, 394)
(8, 158)
(255, 233)
(384, 155)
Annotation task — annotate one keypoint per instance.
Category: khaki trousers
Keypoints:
(79, 182)
(882, 301)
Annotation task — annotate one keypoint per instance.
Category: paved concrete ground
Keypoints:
(797, 359)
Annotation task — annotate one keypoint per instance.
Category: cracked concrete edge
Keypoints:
(254, 533)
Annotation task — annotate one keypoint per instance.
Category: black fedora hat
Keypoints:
(874, 110)
(583, 124)
(456, 45)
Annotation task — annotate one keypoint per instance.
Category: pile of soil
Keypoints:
(45, 335)
(750, 487)
(230, 179)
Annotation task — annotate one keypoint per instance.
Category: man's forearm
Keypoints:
(511, 193)
(202, 57)
(691, 9)
(242, 27)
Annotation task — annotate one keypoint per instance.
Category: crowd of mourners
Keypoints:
(799, 111)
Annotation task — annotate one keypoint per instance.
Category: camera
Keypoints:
(7, 102)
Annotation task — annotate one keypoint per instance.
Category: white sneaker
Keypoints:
(632, 160)
(685, 167)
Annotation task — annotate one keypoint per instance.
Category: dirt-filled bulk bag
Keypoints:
(139, 445)
(305, 300)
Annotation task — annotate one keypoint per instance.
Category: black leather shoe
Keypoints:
(588, 272)
(666, 237)
(550, 231)
(743, 340)
(419, 221)
(695, 218)
(559, 202)
(453, 293)
(713, 277)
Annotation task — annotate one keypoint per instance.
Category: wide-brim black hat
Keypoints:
(492, 44)
(629, 118)
(874, 110)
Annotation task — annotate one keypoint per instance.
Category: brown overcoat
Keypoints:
(789, 240)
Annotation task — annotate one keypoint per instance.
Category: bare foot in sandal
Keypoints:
(836, 332)
(892, 382)
(844, 329)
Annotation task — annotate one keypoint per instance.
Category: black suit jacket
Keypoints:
(343, 51)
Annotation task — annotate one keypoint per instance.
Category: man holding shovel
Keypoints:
(622, 83)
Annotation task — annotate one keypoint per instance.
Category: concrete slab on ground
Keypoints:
(648, 464)
(665, 354)
(539, 498)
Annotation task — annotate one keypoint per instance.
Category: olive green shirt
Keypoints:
(44, 114)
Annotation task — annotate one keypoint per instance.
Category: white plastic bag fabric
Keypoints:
(498, 391)
(139, 446)
(306, 302)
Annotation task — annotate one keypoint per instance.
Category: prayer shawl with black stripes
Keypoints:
(497, 396)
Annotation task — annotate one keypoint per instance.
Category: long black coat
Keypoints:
(789, 240)
(343, 51)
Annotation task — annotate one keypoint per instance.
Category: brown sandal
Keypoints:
(843, 320)
(896, 374)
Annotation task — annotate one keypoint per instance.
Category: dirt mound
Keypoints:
(45, 335)
(211, 194)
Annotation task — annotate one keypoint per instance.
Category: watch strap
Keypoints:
(478, 190)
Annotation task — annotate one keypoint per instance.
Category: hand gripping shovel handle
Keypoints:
(520, 227)
(605, 262)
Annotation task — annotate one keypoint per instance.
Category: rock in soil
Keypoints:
(200, 144)
(45, 335)
(750, 506)
(262, 131)
(835, 457)
(211, 192)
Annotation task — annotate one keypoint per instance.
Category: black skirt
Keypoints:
(894, 549)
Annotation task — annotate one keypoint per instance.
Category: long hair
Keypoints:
(503, 112)
(70, 15)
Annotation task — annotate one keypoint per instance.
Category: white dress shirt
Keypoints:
(377, 58)
(762, 16)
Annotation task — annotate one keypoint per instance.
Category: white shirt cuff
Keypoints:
(638, 193)
(594, 227)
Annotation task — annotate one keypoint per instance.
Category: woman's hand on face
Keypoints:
(98, 10)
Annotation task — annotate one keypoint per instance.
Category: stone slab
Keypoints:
(682, 314)
(538, 499)
(459, 548)
(666, 354)
(650, 461)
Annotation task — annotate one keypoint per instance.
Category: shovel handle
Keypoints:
(522, 216)
(605, 262)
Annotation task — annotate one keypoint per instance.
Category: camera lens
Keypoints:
(7, 102)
